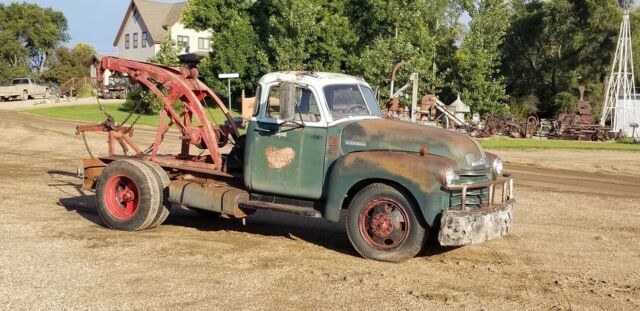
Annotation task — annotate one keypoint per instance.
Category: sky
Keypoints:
(95, 22)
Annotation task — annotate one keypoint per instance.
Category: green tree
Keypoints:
(236, 47)
(423, 33)
(480, 81)
(167, 54)
(310, 35)
(553, 46)
(30, 34)
(66, 63)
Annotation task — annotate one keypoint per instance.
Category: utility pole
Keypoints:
(228, 76)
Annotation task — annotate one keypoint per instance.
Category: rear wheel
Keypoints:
(127, 195)
(46, 94)
(164, 206)
(25, 95)
(382, 224)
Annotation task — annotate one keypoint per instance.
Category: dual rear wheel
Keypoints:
(132, 195)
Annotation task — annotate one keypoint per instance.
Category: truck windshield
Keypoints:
(345, 100)
(20, 81)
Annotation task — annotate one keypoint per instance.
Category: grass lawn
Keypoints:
(92, 114)
(555, 144)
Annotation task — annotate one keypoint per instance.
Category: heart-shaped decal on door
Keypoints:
(279, 158)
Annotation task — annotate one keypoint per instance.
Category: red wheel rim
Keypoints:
(384, 224)
(121, 197)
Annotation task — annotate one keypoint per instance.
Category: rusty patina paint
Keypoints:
(92, 170)
(419, 175)
(400, 165)
(383, 134)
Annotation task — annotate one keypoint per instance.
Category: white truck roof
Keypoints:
(312, 78)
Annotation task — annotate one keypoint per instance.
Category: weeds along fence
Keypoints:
(79, 87)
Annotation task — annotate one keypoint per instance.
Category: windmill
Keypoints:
(621, 106)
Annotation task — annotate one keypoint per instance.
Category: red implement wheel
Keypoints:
(164, 206)
(121, 196)
(383, 224)
(127, 195)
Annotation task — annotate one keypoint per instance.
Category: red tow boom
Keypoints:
(169, 85)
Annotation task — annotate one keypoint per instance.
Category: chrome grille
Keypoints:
(476, 198)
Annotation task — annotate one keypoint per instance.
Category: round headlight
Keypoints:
(449, 175)
(498, 167)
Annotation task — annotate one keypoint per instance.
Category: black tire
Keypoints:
(382, 224)
(127, 195)
(25, 95)
(164, 206)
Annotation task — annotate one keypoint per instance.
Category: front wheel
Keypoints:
(383, 224)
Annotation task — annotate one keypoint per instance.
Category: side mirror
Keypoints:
(287, 101)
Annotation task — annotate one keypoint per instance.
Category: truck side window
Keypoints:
(256, 101)
(273, 102)
(305, 101)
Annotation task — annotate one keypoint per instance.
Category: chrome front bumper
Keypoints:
(472, 226)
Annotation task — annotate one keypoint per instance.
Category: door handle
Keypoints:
(263, 130)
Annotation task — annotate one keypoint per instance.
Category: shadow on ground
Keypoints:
(266, 223)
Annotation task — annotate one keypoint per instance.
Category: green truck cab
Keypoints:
(316, 145)
(320, 138)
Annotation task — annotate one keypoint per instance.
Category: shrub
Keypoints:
(524, 106)
(142, 101)
(566, 102)
(84, 91)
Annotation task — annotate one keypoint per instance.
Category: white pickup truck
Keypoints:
(23, 89)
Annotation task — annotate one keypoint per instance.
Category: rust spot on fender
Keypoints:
(412, 167)
(405, 136)
(279, 158)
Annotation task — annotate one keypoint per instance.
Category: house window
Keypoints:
(183, 41)
(204, 43)
(135, 40)
(144, 39)
(126, 41)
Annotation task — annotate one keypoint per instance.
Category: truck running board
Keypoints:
(291, 209)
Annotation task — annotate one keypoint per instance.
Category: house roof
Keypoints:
(157, 17)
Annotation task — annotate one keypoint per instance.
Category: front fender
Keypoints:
(419, 175)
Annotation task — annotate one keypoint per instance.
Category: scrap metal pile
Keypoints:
(579, 126)
(430, 110)
(504, 126)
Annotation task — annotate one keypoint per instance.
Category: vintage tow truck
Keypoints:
(316, 145)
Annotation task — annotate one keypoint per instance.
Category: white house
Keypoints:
(147, 23)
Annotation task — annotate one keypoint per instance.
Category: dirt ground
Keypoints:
(575, 244)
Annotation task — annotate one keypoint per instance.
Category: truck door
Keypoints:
(31, 87)
(288, 157)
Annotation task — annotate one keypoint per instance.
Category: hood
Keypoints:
(384, 134)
